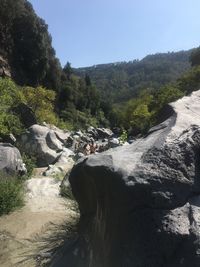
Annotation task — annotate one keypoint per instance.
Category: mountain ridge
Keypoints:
(123, 80)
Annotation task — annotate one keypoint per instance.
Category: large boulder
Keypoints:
(44, 143)
(140, 203)
(10, 160)
(104, 132)
(63, 164)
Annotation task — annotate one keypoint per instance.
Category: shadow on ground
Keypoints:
(60, 246)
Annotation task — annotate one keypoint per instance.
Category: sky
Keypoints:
(90, 32)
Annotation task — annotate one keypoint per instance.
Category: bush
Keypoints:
(41, 101)
(123, 137)
(30, 163)
(11, 194)
(10, 97)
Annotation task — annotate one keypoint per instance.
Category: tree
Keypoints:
(41, 101)
(195, 57)
(10, 97)
(27, 45)
(68, 70)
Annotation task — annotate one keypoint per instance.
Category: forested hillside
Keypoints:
(26, 45)
(143, 111)
(125, 94)
(123, 80)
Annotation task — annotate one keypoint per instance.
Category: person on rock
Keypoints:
(86, 149)
(93, 147)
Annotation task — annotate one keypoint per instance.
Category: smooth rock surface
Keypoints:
(44, 143)
(10, 160)
(140, 203)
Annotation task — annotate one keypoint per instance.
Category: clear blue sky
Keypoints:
(89, 32)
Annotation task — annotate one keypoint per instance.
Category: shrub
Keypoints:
(123, 137)
(41, 101)
(10, 97)
(30, 163)
(11, 194)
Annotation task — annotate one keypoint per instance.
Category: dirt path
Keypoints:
(25, 235)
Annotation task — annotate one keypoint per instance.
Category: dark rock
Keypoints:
(104, 132)
(117, 131)
(92, 132)
(8, 139)
(69, 141)
(140, 203)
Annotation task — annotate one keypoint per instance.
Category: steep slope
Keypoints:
(122, 80)
(26, 43)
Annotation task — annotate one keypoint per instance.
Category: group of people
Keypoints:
(90, 148)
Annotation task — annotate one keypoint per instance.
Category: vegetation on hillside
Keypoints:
(40, 100)
(129, 95)
(142, 112)
(11, 193)
(126, 94)
(78, 98)
(26, 44)
(124, 80)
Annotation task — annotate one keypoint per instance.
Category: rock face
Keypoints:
(4, 68)
(140, 204)
(10, 160)
(44, 143)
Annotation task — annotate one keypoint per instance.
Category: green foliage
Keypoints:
(11, 194)
(140, 118)
(22, 31)
(124, 80)
(195, 57)
(10, 97)
(102, 95)
(30, 163)
(65, 125)
(123, 137)
(41, 101)
(190, 81)
(79, 101)
(165, 95)
(141, 113)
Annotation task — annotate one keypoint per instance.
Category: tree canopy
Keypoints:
(26, 43)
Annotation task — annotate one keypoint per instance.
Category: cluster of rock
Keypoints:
(55, 148)
(140, 204)
(50, 145)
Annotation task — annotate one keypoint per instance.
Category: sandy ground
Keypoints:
(26, 234)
